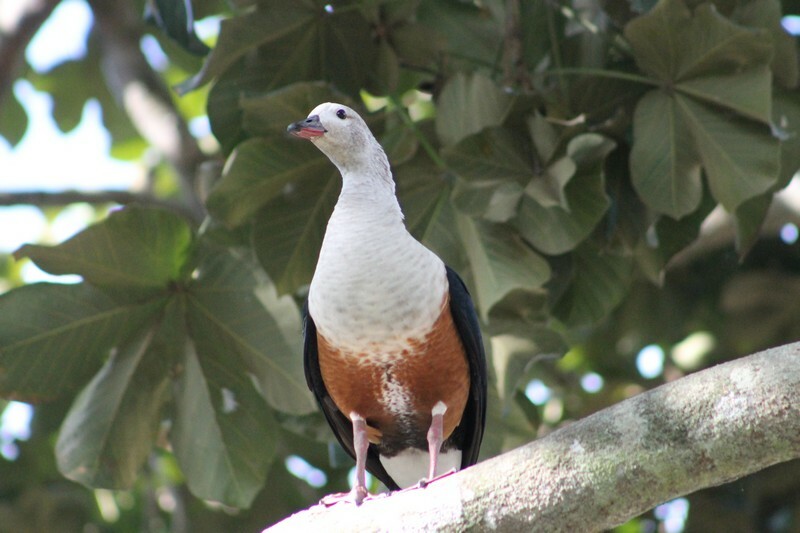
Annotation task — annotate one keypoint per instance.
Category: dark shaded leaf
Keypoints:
(288, 231)
(501, 262)
(553, 229)
(600, 281)
(468, 104)
(110, 428)
(54, 337)
(175, 18)
(257, 171)
(234, 312)
(301, 37)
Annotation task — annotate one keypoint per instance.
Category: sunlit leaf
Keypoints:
(133, 247)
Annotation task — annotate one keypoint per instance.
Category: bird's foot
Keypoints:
(357, 496)
(424, 482)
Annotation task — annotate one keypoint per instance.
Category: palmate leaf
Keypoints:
(270, 113)
(110, 428)
(712, 114)
(501, 262)
(288, 232)
(134, 247)
(493, 166)
(257, 172)
(233, 311)
(468, 104)
(600, 281)
(305, 43)
(554, 229)
(223, 434)
(53, 337)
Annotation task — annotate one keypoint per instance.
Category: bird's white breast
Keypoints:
(375, 287)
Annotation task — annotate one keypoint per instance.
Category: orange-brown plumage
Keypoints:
(434, 368)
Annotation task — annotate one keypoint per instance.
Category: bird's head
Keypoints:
(341, 134)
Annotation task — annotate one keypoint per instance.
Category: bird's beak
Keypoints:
(308, 128)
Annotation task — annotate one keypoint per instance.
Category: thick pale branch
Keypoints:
(142, 93)
(703, 430)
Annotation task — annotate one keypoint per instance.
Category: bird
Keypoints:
(393, 351)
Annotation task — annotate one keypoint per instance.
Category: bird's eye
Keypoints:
(341, 114)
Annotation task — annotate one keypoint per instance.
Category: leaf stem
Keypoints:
(423, 141)
(602, 73)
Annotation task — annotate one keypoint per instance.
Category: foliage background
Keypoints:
(560, 156)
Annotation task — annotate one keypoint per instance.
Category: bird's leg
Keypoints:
(435, 436)
(359, 492)
(361, 445)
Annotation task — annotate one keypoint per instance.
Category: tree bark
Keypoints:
(705, 429)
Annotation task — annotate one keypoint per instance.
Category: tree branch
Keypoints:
(15, 34)
(142, 93)
(706, 429)
(62, 198)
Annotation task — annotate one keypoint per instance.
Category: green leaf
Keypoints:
(501, 262)
(110, 428)
(240, 34)
(599, 282)
(270, 113)
(553, 229)
(665, 165)
(486, 103)
(548, 189)
(301, 42)
(767, 14)
(288, 231)
(133, 247)
(472, 34)
(741, 158)
(175, 18)
(716, 89)
(544, 135)
(234, 313)
(223, 433)
(516, 345)
(750, 215)
(494, 166)
(54, 337)
(13, 120)
(673, 43)
(421, 189)
(257, 171)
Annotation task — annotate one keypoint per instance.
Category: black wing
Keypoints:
(340, 424)
(466, 322)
